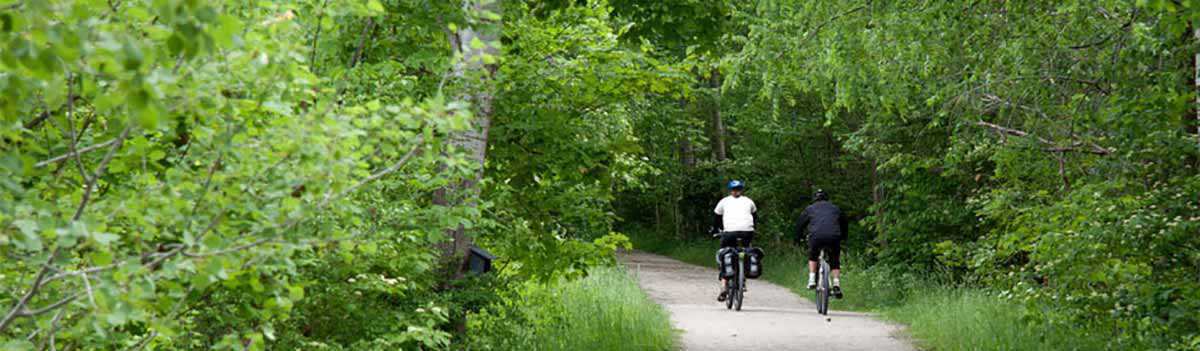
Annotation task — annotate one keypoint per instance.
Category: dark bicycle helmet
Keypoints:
(820, 195)
(736, 184)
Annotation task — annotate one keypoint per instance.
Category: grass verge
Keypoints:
(939, 315)
(604, 311)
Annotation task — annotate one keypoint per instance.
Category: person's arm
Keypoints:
(754, 214)
(843, 224)
(801, 224)
(718, 222)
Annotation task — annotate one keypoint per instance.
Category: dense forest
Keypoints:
(311, 174)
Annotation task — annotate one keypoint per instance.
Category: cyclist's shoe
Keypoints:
(812, 284)
(724, 295)
(837, 292)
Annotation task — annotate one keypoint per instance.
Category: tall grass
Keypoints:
(939, 315)
(607, 311)
(604, 311)
(970, 319)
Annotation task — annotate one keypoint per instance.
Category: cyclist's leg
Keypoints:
(814, 254)
(746, 237)
(833, 252)
(726, 241)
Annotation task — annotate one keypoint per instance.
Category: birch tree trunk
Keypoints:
(475, 45)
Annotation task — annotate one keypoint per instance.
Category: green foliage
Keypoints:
(563, 137)
(1046, 150)
(223, 174)
(223, 192)
(256, 175)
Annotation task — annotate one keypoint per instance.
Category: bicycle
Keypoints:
(823, 287)
(735, 287)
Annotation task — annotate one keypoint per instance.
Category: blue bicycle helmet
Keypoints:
(736, 184)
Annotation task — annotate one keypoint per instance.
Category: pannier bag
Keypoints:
(754, 264)
(727, 261)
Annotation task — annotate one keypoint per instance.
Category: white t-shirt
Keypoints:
(736, 213)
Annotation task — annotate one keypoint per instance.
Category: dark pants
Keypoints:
(729, 239)
(833, 251)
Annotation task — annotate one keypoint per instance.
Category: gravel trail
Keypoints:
(772, 317)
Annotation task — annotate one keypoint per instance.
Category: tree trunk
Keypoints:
(476, 75)
(876, 194)
(686, 157)
(834, 154)
(718, 124)
(1196, 69)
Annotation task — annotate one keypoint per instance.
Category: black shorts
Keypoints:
(729, 239)
(833, 251)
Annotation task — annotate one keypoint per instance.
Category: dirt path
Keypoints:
(772, 318)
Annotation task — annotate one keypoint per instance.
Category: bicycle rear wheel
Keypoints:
(824, 289)
(823, 301)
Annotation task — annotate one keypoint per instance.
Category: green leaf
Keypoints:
(104, 238)
(376, 7)
(17, 345)
(295, 293)
(101, 257)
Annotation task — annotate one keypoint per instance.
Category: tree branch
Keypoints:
(145, 341)
(67, 155)
(377, 175)
(20, 305)
(91, 181)
(1094, 149)
(36, 121)
(329, 197)
(362, 41)
(50, 335)
(51, 307)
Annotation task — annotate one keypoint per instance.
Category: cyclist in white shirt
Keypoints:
(735, 216)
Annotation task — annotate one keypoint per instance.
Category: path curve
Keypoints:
(772, 317)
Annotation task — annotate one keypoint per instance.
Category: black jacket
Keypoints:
(823, 221)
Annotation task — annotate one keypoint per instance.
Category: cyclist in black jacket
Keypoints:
(826, 227)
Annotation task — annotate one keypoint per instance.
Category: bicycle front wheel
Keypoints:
(740, 291)
(729, 291)
(737, 304)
